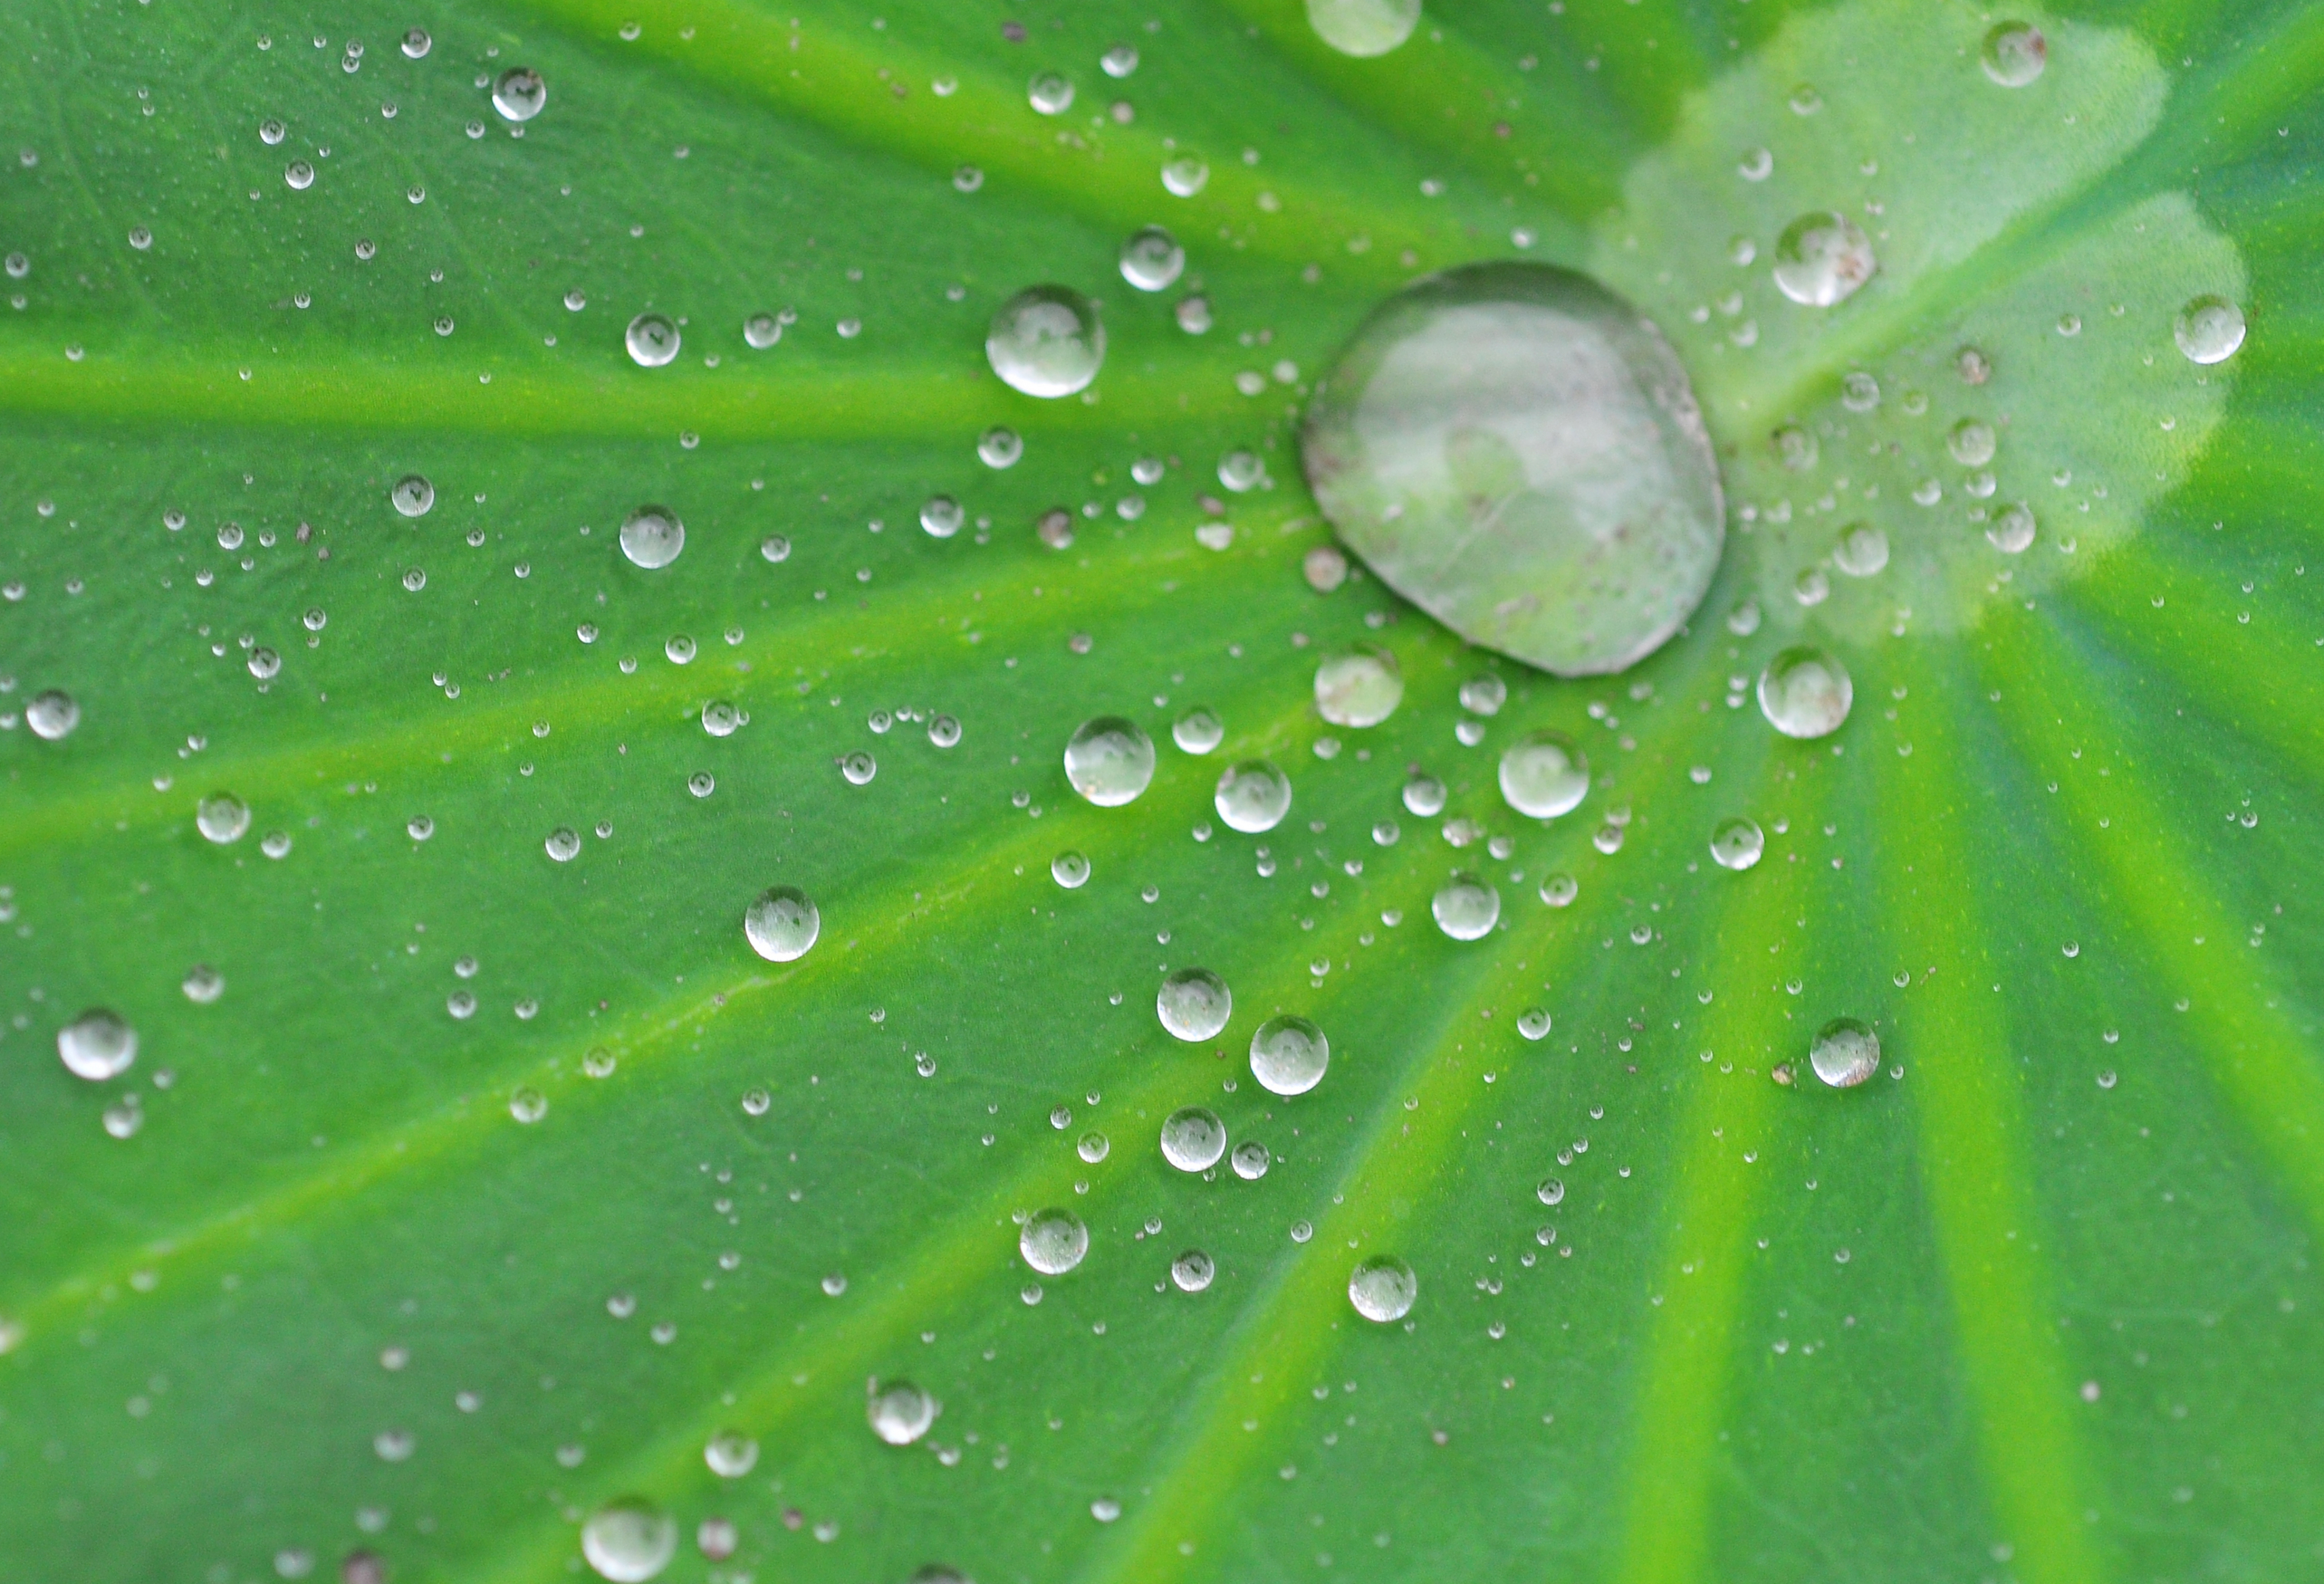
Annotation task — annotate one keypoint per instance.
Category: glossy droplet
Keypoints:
(1822, 259)
(761, 331)
(1183, 177)
(1513, 448)
(1191, 1271)
(1423, 794)
(1093, 1147)
(1053, 1241)
(1845, 1053)
(528, 1105)
(2014, 53)
(1152, 259)
(1070, 869)
(1550, 1191)
(564, 844)
(1050, 93)
(1533, 1023)
(783, 924)
(52, 716)
(1382, 1288)
(1484, 696)
(1108, 761)
(629, 1541)
(942, 516)
(1000, 447)
(2209, 329)
(1194, 1003)
(730, 1454)
(412, 496)
(1862, 550)
(520, 93)
(1559, 890)
(721, 719)
(1251, 1160)
(1363, 27)
(652, 340)
(1120, 60)
(1360, 686)
(222, 817)
(1252, 797)
(1543, 775)
(97, 1045)
(1805, 693)
(652, 536)
(1859, 391)
(2011, 529)
(1971, 442)
(1193, 1139)
(417, 43)
(1466, 907)
(1198, 731)
(1288, 1055)
(943, 732)
(1736, 845)
(1046, 341)
(901, 1413)
(203, 984)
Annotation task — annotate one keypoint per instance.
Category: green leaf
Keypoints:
(2036, 1302)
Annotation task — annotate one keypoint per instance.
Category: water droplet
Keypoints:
(298, 176)
(783, 924)
(944, 730)
(1559, 890)
(652, 340)
(1514, 448)
(1191, 1272)
(652, 536)
(1485, 694)
(1251, 1160)
(520, 93)
(761, 331)
(721, 719)
(1053, 1241)
(1193, 1140)
(1862, 550)
(775, 548)
(1120, 60)
(1198, 731)
(730, 1454)
(1152, 259)
(1551, 1191)
(1971, 442)
(1736, 845)
(2011, 529)
(412, 496)
(1822, 259)
(1070, 869)
(901, 1413)
(528, 1105)
(1363, 27)
(222, 817)
(629, 1541)
(52, 714)
(942, 517)
(1288, 1055)
(1000, 447)
(1108, 761)
(2014, 53)
(1194, 1003)
(1045, 341)
(1051, 93)
(1466, 907)
(1252, 797)
(564, 844)
(1845, 1053)
(1183, 177)
(1805, 693)
(1382, 1288)
(97, 1045)
(1358, 686)
(1093, 1147)
(1423, 794)
(1755, 165)
(1533, 1023)
(1543, 775)
(2209, 329)
(417, 43)
(1859, 391)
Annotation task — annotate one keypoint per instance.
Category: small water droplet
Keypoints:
(520, 93)
(412, 496)
(1805, 693)
(1288, 1055)
(1070, 869)
(1543, 775)
(652, 340)
(1252, 797)
(1183, 177)
(1822, 259)
(222, 817)
(52, 715)
(2011, 529)
(1465, 906)
(629, 1541)
(730, 1454)
(1862, 550)
(2014, 53)
(942, 516)
(2209, 329)
(1194, 1003)
(1559, 890)
(900, 1412)
(1198, 731)
(1193, 1140)
(1151, 259)
(1053, 1241)
(1191, 1272)
(1108, 761)
(1736, 845)
(97, 1045)
(1050, 93)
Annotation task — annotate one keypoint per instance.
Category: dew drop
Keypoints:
(1466, 907)
(1053, 1241)
(564, 844)
(1423, 794)
(2011, 529)
(520, 93)
(1484, 694)
(1971, 442)
(1198, 731)
(222, 817)
(1822, 259)
(942, 516)
(1000, 447)
(1382, 1288)
(1070, 869)
(97, 1045)
(1050, 93)
(528, 1105)
(2014, 53)
(412, 496)
(1193, 1140)
(1363, 27)
(203, 984)
(1845, 1053)
(52, 715)
(1805, 693)
(629, 1540)
(1736, 845)
(1183, 177)
(2209, 329)
(1192, 1272)
(1533, 1023)
(1559, 890)
(783, 924)
(944, 730)
(1152, 259)
(1045, 341)
(1251, 1160)
(1194, 1003)
(900, 1412)
(1543, 775)
(1093, 1147)
(730, 1454)
(652, 536)
(1252, 797)
(1288, 1055)
(761, 331)
(1358, 686)
(1862, 550)
(1551, 1191)
(652, 340)
(1108, 761)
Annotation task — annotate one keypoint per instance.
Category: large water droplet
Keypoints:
(1543, 775)
(1513, 448)
(1363, 27)
(1194, 1003)
(412, 496)
(520, 93)
(2011, 529)
(1070, 869)
(1862, 550)
(1152, 259)
(1466, 907)
(1382, 1288)
(2209, 329)
(1046, 341)
(1288, 1055)
(52, 714)
(1198, 731)
(1821, 258)
(1845, 1053)
(629, 1541)
(222, 817)
(1358, 686)
(1053, 1241)
(1805, 693)
(2014, 53)
(97, 1045)
(1193, 1140)
(1191, 1271)
(1252, 797)
(730, 1454)
(1736, 845)
(1108, 761)
(783, 924)
(652, 340)
(652, 536)
(901, 1413)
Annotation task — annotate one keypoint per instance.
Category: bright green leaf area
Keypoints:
(2039, 1301)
